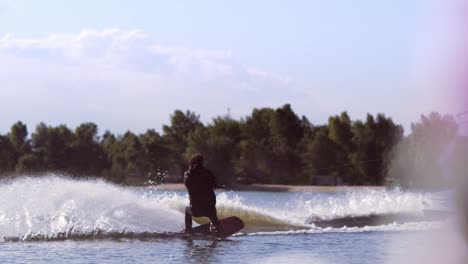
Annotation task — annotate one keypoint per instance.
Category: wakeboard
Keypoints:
(229, 226)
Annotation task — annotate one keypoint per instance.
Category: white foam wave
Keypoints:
(359, 203)
(254, 218)
(394, 227)
(53, 205)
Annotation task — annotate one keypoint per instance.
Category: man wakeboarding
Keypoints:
(200, 183)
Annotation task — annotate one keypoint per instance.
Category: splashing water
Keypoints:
(55, 207)
(51, 206)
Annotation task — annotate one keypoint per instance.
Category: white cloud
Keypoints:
(67, 42)
(260, 73)
(123, 79)
(192, 53)
(88, 45)
(117, 47)
(209, 63)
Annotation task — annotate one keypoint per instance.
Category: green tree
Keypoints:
(157, 153)
(53, 146)
(18, 138)
(128, 160)
(87, 154)
(341, 134)
(182, 124)
(340, 131)
(374, 140)
(7, 157)
(323, 156)
(268, 146)
(416, 160)
(116, 172)
(269, 152)
(219, 144)
(30, 163)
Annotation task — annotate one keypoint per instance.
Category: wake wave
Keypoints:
(50, 206)
(55, 208)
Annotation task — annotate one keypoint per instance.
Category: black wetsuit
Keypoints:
(200, 184)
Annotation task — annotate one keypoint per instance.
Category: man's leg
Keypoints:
(215, 221)
(188, 219)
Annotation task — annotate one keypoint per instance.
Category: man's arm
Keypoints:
(186, 179)
(213, 181)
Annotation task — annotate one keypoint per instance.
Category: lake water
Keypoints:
(58, 220)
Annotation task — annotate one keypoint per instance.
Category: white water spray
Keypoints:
(52, 207)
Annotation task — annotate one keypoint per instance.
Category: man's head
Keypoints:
(196, 160)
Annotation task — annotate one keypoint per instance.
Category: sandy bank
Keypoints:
(279, 188)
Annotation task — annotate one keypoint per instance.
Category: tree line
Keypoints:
(273, 146)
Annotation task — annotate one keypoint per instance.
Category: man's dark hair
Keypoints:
(196, 160)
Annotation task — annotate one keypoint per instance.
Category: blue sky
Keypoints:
(127, 65)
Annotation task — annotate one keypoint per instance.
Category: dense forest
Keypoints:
(269, 146)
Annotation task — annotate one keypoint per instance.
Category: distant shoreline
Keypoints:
(278, 188)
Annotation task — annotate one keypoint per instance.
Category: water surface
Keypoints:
(58, 220)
